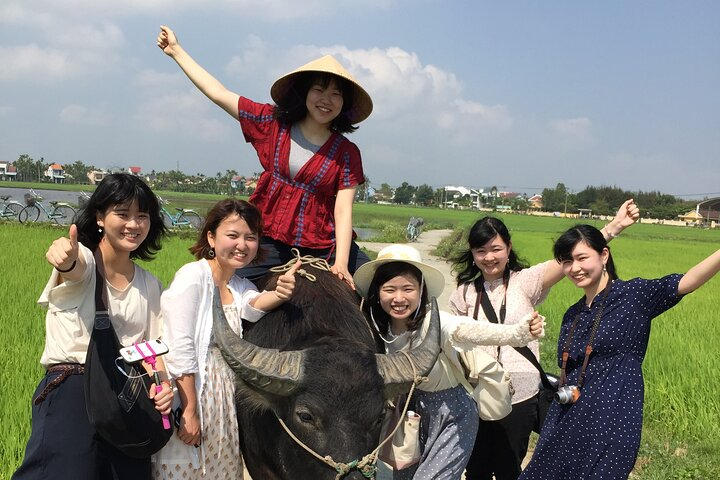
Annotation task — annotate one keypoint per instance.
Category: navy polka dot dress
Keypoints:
(598, 437)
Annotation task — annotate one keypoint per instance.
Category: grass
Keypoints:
(681, 433)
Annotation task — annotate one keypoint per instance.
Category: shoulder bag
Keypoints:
(116, 393)
(548, 382)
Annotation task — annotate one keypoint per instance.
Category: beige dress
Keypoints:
(219, 456)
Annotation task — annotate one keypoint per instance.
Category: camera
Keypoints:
(567, 394)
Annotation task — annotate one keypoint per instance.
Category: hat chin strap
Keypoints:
(422, 289)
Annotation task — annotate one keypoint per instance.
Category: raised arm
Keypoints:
(486, 333)
(627, 214)
(205, 82)
(699, 274)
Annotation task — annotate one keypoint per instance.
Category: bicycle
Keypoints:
(59, 212)
(414, 228)
(83, 198)
(10, 209)
(183, 217)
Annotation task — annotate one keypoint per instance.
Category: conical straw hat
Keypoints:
(362, 103)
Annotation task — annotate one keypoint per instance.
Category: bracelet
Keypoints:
(66, 271)
(609, 233)
(167, 382)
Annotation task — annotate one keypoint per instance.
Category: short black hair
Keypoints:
(119, 189)
(589, 235)
(291, 107)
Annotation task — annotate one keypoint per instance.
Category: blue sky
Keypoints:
(521, 95)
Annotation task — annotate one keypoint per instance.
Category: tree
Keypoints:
(404, 194)
(77, 172)
(25, 165)
(557, 199)
(425, 195)
(385, 193)
(40, 168)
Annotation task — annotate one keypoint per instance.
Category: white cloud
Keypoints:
(80, 115)
(30, 62)
(188, 114)
(47, 12)
(152, 79)
(103, 36)
(572, 132)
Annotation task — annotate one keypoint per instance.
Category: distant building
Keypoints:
(56, 173)
(452, 194)
(7, 171)
(237, 182)
(536, 202)
(135, 170)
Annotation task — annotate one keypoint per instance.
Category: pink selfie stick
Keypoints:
(150, 359)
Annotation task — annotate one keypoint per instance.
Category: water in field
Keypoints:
(17, 194)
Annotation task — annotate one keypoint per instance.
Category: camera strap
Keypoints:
(588, 347)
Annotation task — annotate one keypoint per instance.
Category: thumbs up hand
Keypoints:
(63, 253)
(286, 282)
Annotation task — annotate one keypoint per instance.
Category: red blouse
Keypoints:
(297, 211)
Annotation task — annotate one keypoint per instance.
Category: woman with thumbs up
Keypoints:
(121, 222)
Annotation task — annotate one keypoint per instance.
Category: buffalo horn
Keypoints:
(266, 369)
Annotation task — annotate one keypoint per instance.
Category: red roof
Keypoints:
(56, 166)
(135, 169)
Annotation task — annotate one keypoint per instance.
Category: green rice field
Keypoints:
(681, 433)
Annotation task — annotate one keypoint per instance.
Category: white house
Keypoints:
(56, 173)
(7, 171)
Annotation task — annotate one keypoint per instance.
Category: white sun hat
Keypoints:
(434, 279)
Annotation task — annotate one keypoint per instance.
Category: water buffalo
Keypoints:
(314, 364)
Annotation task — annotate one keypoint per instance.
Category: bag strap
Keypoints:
(484, 300)
(100, 292)
(460, 377)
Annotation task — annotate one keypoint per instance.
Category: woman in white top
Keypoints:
(120, 222)
(490, 264)
(207, 441)
(397, 287)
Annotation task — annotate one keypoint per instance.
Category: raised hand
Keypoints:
(628, 213)
(63, 253)
(536, 325)
(286, 282)
(166, 40)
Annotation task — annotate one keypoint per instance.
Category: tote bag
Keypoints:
(117, 402)
(403, 449)
(487, 382)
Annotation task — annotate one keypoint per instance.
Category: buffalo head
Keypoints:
(313, 364)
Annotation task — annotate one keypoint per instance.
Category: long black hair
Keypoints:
(592, 237)
(119, 189)
(483, 231)
(292, 105)
(383, 274)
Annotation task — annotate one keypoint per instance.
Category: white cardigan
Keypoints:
(187, 311)
(459, 334)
